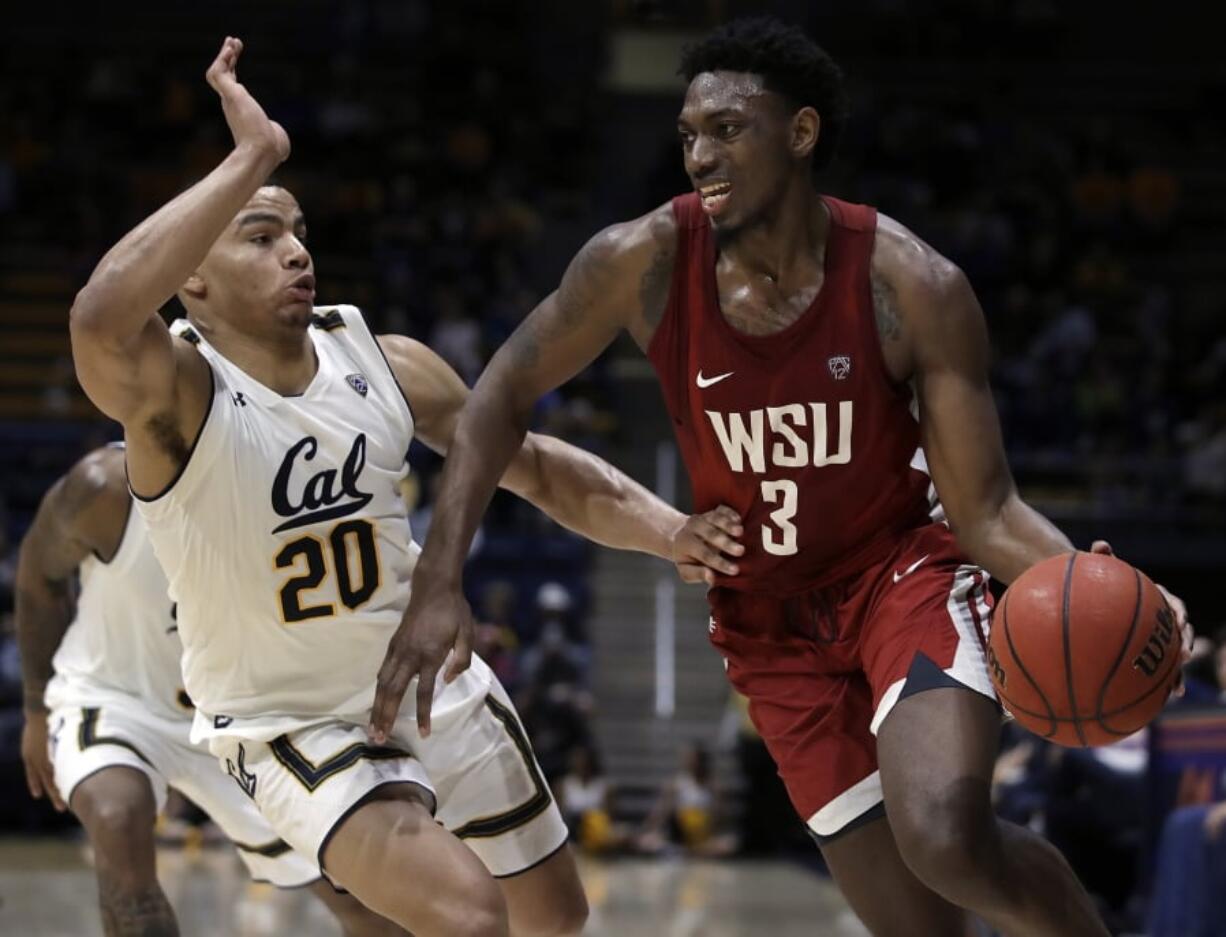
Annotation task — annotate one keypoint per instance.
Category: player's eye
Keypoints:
(260, 239)
(687, 137)
(728, 130)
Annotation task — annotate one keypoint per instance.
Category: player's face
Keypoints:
(260, 267)
(735, 142)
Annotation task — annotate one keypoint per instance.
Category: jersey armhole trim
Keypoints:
(190, 452)
(395, 380)
(127, 522)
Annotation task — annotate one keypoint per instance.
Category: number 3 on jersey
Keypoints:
(783, 542)
(354, 591)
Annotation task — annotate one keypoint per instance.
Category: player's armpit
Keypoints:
(960, 428)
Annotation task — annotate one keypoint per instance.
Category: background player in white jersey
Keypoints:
(265, 447)
(108, 732)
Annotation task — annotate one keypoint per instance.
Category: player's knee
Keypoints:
(480, 913)
(564, 915)
(119, 827)
(945, 836)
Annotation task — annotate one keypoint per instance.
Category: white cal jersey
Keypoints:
(123, 644)
(286, 540)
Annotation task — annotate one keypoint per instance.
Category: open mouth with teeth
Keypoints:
(714, 196)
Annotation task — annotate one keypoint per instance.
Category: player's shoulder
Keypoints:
(97, 481)
(641, 240)
(910, 266)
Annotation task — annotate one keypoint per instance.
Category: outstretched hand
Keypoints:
(704, 544)
(1186, 633)
(436, 622)
(249, 125)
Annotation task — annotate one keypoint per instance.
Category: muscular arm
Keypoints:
(84, 512)
(574, 487)
(618, 280)
(925, 303)
(126, 359)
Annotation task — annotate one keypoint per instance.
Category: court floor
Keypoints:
(47, 890)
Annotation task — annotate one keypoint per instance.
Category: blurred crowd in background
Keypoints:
(451, 157)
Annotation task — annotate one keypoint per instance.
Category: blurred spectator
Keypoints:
(586, 801)
(1191, 875)
(686, 814)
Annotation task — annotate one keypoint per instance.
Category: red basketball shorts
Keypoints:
(822, 669)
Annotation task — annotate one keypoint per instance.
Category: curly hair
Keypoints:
(790, 63)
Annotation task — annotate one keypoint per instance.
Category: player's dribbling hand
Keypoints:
(1187, 635)
(40, 776)
(435, 622)
(249, 125)
(703, 544)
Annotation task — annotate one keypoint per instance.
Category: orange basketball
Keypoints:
(1084, 649)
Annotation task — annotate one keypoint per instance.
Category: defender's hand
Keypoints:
(1186, 633)
(703, 544)
(40, 776)
(249, 124)
(433, 624)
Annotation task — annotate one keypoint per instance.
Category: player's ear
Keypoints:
(194, 287)
(806, 125)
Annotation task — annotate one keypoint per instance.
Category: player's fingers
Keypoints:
(32, 781)
(52, 791)
(389, 692)
(715, 560)
(717, 538)
(461, 659)
(727, 520)
(425, 698)
(1101, 546)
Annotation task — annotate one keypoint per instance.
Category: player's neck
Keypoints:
(285, 363)
(785, 245)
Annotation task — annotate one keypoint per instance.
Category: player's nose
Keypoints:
(700, 159)
(298, 257)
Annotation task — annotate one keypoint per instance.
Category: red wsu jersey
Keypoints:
(803, 432)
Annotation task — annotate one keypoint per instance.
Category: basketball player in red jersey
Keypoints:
(826, 374)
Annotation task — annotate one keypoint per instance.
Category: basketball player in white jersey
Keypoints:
(266, 442)
(107, 720)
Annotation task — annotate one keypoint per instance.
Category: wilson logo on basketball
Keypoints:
(1159, 643)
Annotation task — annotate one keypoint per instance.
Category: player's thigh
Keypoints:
(491, 791)
(267, 856)
(307, 782)
(884, 893)
(546, 900)
(937, 751)
(399, 862)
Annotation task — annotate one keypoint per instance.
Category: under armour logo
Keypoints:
(358, 383)
(840, 366)
(244, 778)
(239, 400)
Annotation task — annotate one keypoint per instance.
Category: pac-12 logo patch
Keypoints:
(840, 366)
(358, 383)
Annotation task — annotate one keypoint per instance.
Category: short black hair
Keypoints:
(791, 64)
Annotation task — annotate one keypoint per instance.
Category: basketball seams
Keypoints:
(1065, 608)
(1051, 713)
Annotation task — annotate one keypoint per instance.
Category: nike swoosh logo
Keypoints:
(910, 569)
(705, 382)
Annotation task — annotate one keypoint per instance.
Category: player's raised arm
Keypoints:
(125, 358)
(83, 512)
(574, 487)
